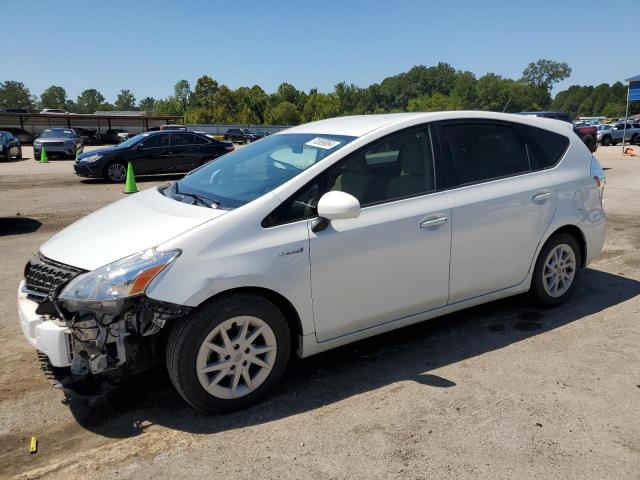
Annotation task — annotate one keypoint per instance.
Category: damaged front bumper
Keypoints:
(96, 343)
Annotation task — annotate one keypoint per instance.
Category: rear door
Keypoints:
(501, 206)
(184, 151)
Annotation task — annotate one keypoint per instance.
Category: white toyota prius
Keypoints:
(315, 237)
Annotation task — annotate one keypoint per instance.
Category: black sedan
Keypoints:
(9, 146)
(151, 152)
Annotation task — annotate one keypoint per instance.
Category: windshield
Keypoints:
(3, 138)
(133, 140)
(57, 133)
(250, 172)
(604, 127)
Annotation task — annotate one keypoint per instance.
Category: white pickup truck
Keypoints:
(612, 134)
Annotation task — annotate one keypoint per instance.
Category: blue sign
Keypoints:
(634, 91)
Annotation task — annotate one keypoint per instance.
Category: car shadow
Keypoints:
(164, 177)
(407, 354)
(18, 225)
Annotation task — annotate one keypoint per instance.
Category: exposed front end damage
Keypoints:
(105, 340)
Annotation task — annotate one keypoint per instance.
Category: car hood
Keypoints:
(131, 225)
(99, 151)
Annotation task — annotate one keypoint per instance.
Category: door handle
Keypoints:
(541, 196)
(434, 221)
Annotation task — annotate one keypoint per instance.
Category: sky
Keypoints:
(147, 47)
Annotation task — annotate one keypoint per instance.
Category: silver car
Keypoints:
(58, 141)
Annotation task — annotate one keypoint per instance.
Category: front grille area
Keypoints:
(52, 144)
(44, 276)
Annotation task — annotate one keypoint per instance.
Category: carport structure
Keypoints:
(134, 123)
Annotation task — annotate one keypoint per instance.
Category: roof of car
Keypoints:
(359, 125)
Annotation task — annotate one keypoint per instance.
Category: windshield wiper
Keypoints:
(207, 202)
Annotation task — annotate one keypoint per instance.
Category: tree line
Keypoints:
(421, 89)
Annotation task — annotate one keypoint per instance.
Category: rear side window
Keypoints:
(482, 151)
(545, 148)
(181, 139)
(200, 140)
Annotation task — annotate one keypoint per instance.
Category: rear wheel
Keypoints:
(557, 270)
(635, 139)
(229, 353)
(606, 141)
(115, 172)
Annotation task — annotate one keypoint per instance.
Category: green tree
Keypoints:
(147, 104)
(89, 101)
(434, 103)
(464, 88)
(284, 113)
(614, 109)
(204, 93)
(168, 106)
(125, 101)
(287, 93)
(182, 94)
(15, 95)
(320, 105)
(545, 73)
(54, 97)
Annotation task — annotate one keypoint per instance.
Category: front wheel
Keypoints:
(229, 353)
(115, 172)
(606, 141)
(635, 139)
(556, 271)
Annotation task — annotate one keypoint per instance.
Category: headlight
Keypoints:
(91, 158)
(125, 278)
(36, 143)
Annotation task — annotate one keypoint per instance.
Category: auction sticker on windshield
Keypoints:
(323, 143)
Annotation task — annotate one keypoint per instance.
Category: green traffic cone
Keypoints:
(130, 184)
(43, 156)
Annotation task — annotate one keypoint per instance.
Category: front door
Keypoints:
(152, 154)
(393, 260)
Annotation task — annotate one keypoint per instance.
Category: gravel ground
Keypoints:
(499, 391)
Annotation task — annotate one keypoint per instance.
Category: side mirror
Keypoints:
(335, 206)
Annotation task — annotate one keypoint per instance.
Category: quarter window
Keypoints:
(545, 148)
(482, 151)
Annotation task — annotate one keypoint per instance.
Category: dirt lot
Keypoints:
(499, 391)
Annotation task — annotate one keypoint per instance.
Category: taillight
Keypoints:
(597, 173)
(229, 149)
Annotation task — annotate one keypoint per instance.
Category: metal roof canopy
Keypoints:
(633, 95)
(85, 120)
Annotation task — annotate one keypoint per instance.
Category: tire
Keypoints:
(19, 156)
(188, 351)
(634, 139)
(112, 172)
(606, 141)
(247, 141)
(542, 285)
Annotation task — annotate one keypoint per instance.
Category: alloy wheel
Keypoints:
(116, 172)
(559, 270)
(236, 357)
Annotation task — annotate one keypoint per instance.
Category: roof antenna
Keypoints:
(506, 105)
